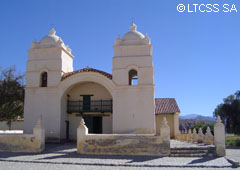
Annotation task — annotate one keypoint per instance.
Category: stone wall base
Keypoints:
(129, 144)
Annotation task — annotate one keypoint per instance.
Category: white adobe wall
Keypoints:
(16, 125)
(45, 102)
(122, 65)
(107, 124)
(133, 110)
(85, 88)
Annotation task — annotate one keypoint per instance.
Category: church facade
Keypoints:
(119, 103)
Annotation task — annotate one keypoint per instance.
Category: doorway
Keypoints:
(94, 124)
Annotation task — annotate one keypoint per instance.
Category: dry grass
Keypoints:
(233, 140)
(231, 137)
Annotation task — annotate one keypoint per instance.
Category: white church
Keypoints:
(119, 103)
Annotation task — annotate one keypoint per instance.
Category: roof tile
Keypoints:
(166, 105)
(87, 69)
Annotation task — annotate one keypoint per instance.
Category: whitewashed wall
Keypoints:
(16, 125)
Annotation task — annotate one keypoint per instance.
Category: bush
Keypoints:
(233, 143)
(237, 143)
(233, 140)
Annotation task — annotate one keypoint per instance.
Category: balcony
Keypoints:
(89, 106)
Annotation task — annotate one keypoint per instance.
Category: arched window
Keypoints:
(44, 77)
(133, 77)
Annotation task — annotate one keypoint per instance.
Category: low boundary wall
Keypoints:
(122, 144)
(24, 142)
(218, 139)
(15, 125)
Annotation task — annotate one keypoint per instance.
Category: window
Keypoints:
(44, 77)
(133, 78)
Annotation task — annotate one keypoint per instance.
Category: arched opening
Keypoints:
(43, 79)
(89, 100)
(133, 77)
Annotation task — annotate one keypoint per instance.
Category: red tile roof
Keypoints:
(166, 105)
(87, 69)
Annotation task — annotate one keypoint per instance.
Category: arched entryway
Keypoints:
(87, 95)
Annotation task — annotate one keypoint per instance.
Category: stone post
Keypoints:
(194, 136)
(178, 135)
(185, 135)
(208, 138)
(165, 130)
(189, 135)
(219, 137)
(82, 131)
(39, 134)
(200, 136)
(182, 135)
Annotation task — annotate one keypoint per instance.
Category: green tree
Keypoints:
(11, 94)
(229, 111)
(201, 124)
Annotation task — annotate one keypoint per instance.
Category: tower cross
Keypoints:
(132, 20)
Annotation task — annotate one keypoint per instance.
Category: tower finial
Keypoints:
(133, 27)
(52, 31)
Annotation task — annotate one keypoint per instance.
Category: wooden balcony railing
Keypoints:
(92, 106)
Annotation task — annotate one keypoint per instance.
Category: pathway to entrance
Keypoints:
(67, 154)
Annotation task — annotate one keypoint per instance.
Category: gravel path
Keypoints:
(66, 154)
(40, 166)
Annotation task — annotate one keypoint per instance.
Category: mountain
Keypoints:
(187, 123)
(196, 116)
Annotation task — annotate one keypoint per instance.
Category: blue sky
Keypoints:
(196, 55)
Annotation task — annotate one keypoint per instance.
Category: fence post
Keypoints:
(208, 138)
(200, 136)
(194, 136)
(219, 137)
(189, 135)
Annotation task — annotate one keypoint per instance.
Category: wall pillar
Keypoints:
(82, 131)
(39, 134)
(219, 137)
(165, 130)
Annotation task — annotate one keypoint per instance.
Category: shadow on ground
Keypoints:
(202, 160)
(69, 150)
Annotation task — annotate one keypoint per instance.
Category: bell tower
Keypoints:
(48, 60)
(133, 76)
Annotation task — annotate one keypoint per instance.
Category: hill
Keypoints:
(196, 116)
(187, 123)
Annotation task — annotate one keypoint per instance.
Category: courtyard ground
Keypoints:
(64, 156)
